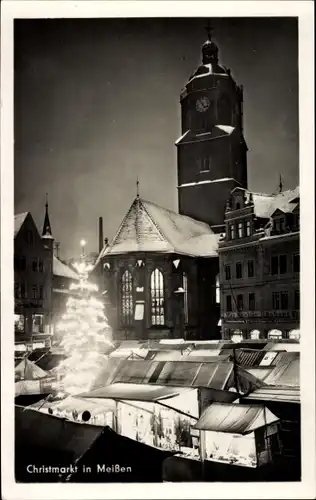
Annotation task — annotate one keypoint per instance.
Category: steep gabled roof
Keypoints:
(147, 227)
(18, 222)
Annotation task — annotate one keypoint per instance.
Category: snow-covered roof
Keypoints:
(187, 184)
(216, 132)
(18, 222)
(266, 204)
(147, 227)
(61, 269)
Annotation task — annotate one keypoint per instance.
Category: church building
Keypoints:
(160, 273)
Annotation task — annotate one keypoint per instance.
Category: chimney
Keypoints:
(100, 234)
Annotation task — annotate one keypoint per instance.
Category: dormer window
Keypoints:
(237, 206)
(248, 228)
(240, 230)
(232, 231)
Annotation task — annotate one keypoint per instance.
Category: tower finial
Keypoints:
(47, 230)
(209, 30)
(137, 187)
(280, 185)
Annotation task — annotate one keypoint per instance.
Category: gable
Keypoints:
(147, 227)
(24, 229)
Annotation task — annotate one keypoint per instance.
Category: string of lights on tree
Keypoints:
(85, 333)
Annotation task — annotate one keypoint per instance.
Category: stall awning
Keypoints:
(235, 418)
(136, 392)
(276, 394)
(26, 370)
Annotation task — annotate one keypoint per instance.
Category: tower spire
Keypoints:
(280, 185)
(137, 187)
(47, 230)
(209, 30)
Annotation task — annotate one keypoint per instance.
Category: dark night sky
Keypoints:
(97, 103)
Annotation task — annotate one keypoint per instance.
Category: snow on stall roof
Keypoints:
(18, 222)
(235, 418)
(61, 269)
(136, 392)
(278, 394)
(149, 227)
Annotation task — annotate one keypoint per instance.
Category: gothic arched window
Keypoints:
(217, 290)
(225, 110)
(126, 298)
(157, 298)
(185, 299)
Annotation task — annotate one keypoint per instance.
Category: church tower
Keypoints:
(212, 153)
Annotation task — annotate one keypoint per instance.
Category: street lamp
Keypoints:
(83, 244)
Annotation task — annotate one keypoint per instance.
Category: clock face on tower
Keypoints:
(202, 104)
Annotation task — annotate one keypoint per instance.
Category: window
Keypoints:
(227, 273)
(248, 228)
(279, 225)
(19, 322)
(185, 299)
(275, 335)
(35, 265)
(23, 291)
(229, 303)
(17, 290)
(37, 323)
(29, 237)
(157, 298)
(284, 300)
(238, 270)
(237, 336)
(251, 270)
(275, 300)
(274, 264)
(217, 290)
(297, 299)
(127, 298)
(237, 206)
(232, 231)
(240, 230)
(205, 163)
(296, 263)
(283, 264)
(225, 110)
(34, 292)
(41, 292)
(255, 334)
(40, 265)
(252, 302)
(240, 302)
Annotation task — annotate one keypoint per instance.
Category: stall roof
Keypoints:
(135, 392)
(71, 440)
(286, 371)
(235, 418)
(276, 394)
(29, 371)
(95, 406)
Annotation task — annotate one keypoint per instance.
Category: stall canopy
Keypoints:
(235, 418)
(287, 370)
(26, 370)
(136, 392)
(276, 394)
(68, 404)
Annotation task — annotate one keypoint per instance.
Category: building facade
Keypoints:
(33, 274)
(259, 258)
(158, 276)
(212, 153)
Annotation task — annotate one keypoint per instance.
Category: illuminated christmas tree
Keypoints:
(85, 334)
